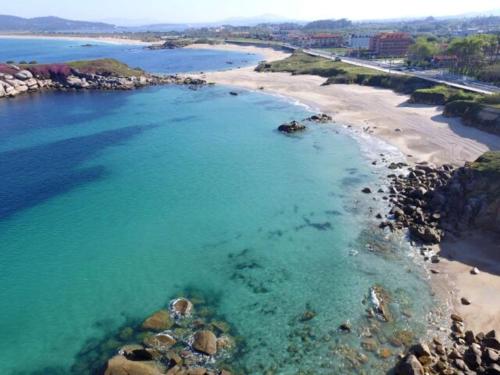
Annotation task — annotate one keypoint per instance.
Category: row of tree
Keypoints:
(471, 54)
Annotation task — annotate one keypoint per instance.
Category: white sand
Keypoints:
(423, 131)
(268, 54)
(483, 290)
(425, 134)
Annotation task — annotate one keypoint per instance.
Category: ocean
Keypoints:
(113, 203)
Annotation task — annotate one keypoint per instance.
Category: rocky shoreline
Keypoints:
(430, 202)
(468, 353)
(176, 341)
(17, 80)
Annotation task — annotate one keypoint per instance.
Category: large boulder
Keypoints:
(181, 307)
(410, 366)
(427, 235)
(23, 75)
(159, 321)
(75, 82)
(119, 365)
(31, 83)
(205, 342)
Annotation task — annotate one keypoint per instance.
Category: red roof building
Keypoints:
(391, 44)
(326, 40)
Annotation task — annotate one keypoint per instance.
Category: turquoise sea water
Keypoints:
(158, 61)
(112, 203)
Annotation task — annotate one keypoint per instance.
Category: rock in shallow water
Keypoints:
(181, 307)
(159, 321)
(205, 342)
(410, 366)
(119, 365)
(291, 127)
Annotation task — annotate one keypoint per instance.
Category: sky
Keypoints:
(190, 11)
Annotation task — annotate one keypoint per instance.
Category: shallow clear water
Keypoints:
(157, 61)
(112, 203)
(122, 200)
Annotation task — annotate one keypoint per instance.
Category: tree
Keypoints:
(422, 51)
(470, 53)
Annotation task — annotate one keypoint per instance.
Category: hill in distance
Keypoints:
(51, 24)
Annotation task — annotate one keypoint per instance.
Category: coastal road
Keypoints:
(430, 75)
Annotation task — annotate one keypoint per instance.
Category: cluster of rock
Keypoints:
(430, 201)
(468, 353)
(418, 197)
(473, 196)
(321, 118)
(172, 44)
(23, 81)
(291, 127)
(295, 126)
(176, 342)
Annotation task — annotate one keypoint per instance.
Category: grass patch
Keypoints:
(488, 163)
(302, 63)
(493, 100)
(105, 67)
(440, 95)
(340, 72)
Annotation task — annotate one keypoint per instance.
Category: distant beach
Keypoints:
(110, 40)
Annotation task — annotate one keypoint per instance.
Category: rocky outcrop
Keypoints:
(416, 200)
(430, 201)
(172, 44)
(472, 199)
(321, 118)
(15, 81)
(468, 353)
(176, 340)
(291, 127)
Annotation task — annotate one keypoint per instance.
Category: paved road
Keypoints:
(433, 76)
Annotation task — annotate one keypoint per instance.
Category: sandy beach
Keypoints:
(110, 40)
(422, 133)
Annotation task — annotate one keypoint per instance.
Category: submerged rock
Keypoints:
(307, 315)
(119, 365)
(159, 321)
(161, 342)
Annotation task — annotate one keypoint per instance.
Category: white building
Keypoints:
(358, 41)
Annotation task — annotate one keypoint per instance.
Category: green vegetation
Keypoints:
(252, 41)
(422, 51)
(493, 100)
(490, 73)
(477, 110)
(302, 63)
(440, 95)
(106, 67)
(340, 72)
(341, 51)
(488, 163)
(474, 52)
